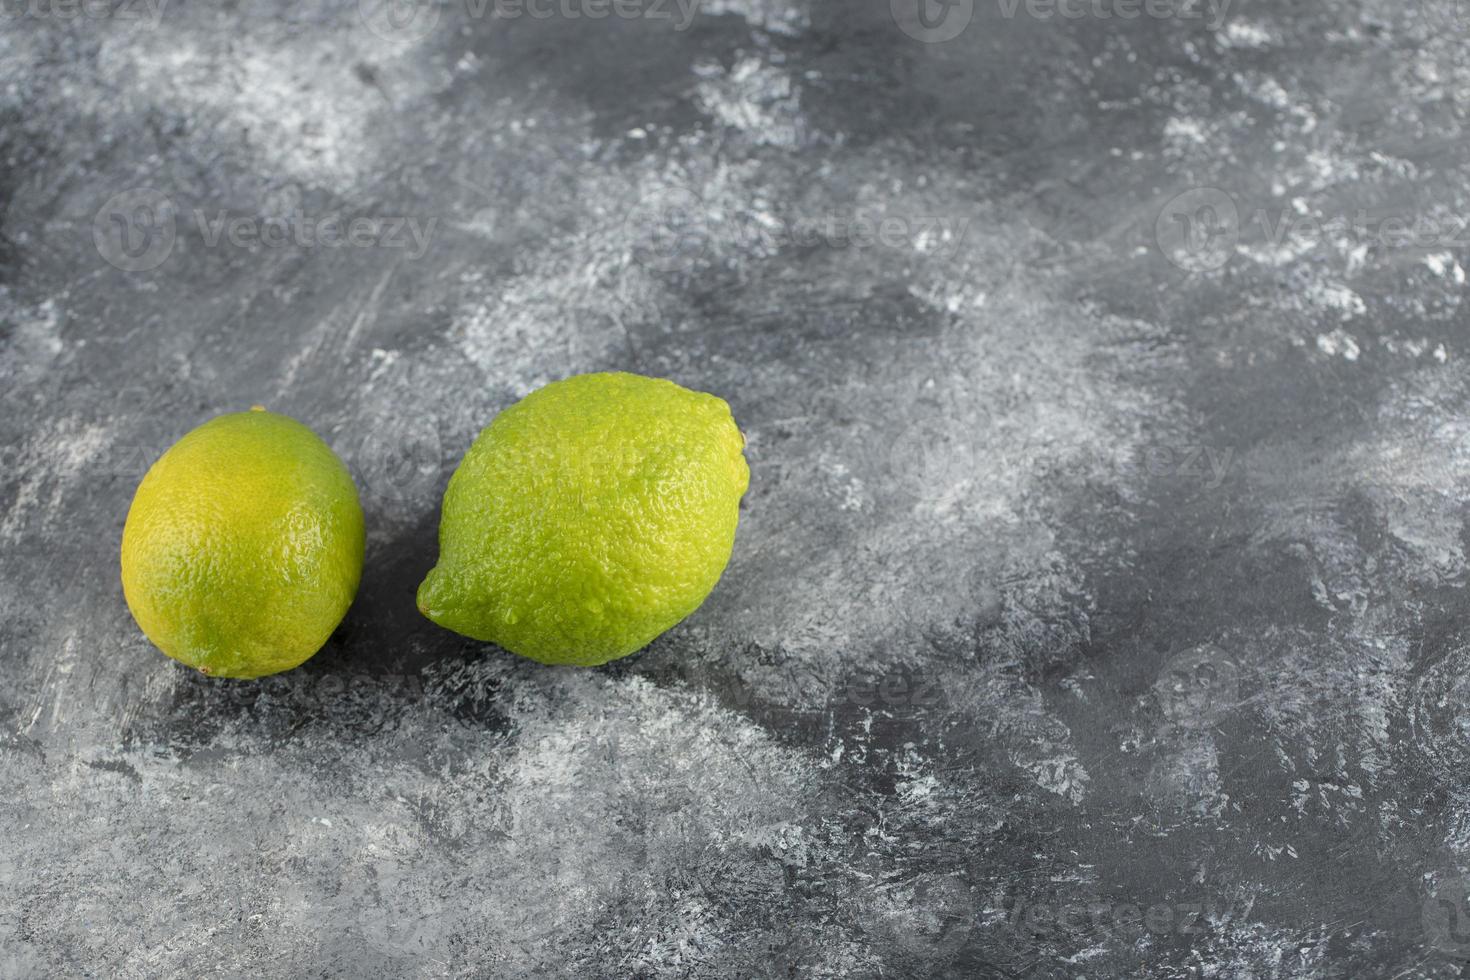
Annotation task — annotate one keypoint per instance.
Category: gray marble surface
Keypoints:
(1098, 606)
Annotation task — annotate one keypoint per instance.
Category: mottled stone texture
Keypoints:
(1098, 603)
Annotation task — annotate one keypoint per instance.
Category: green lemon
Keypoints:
(588, 518)
(243, 546)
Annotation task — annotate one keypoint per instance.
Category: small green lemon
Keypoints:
(588, 518)
(243, 546)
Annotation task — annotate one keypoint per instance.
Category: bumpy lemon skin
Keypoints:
(243, 546)
(588, 518)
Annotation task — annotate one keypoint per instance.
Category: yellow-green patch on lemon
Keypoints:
(243, 546)
(588, 518)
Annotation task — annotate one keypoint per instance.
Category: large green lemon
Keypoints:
(588, 518)
(243, 546)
